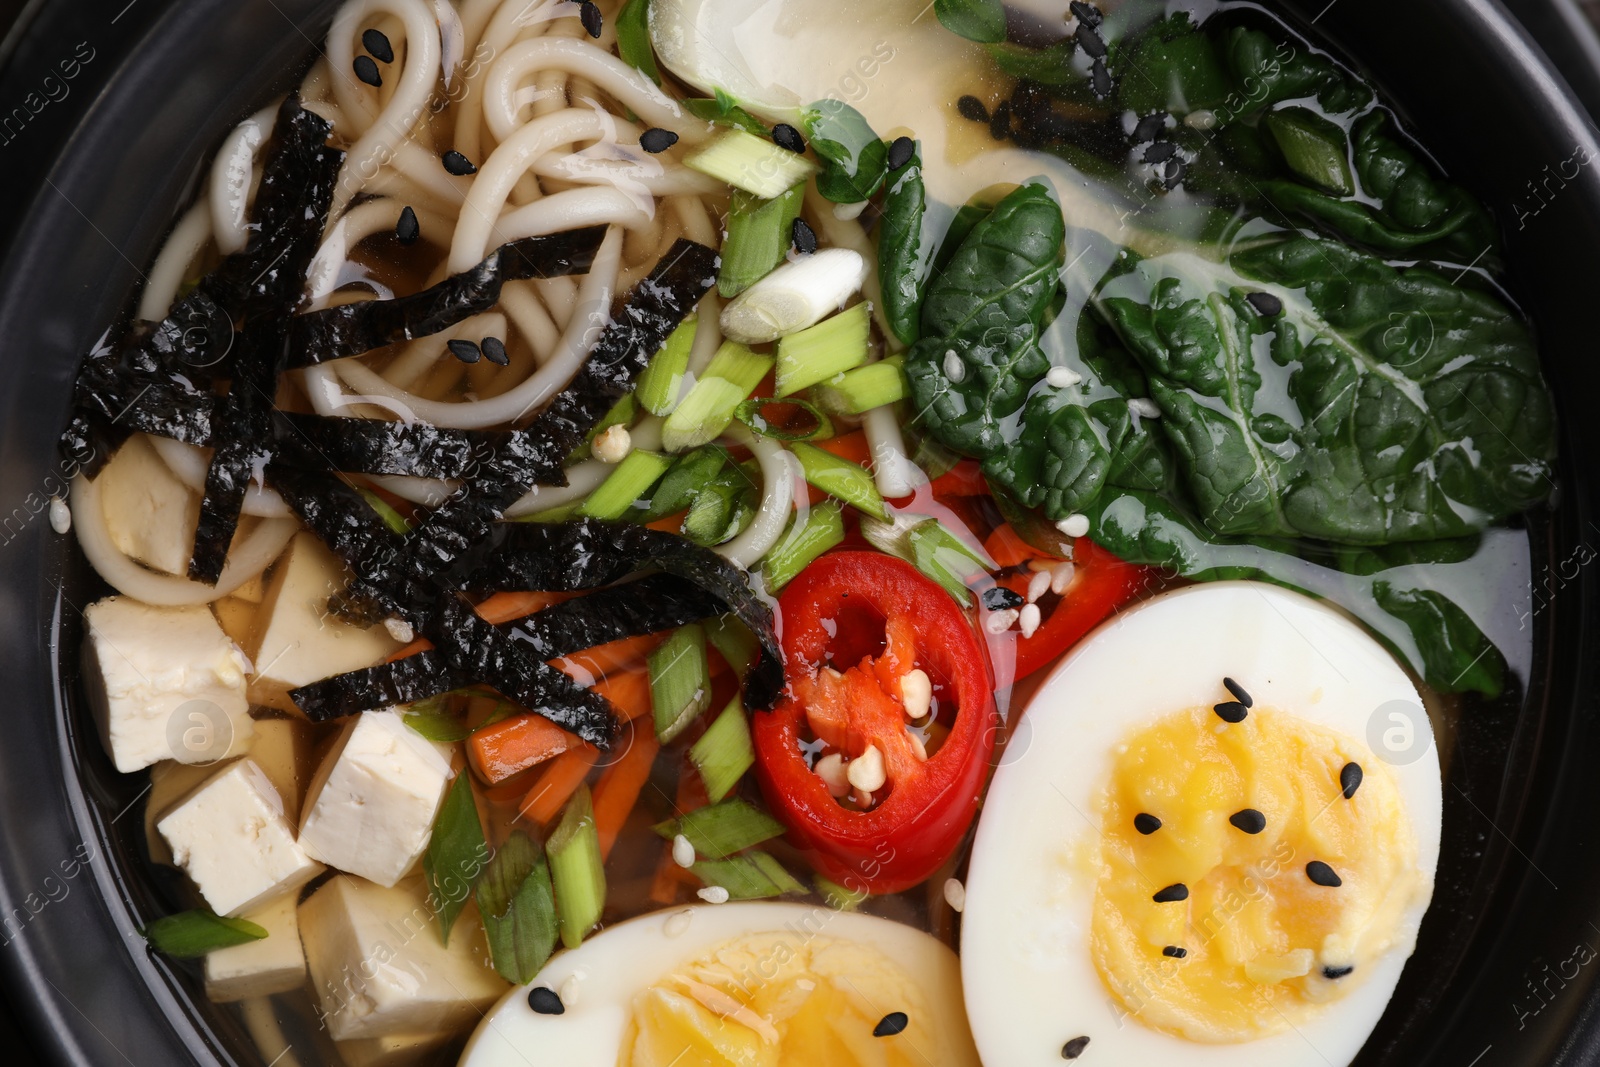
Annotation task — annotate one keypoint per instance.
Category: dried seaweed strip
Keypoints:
(405, 681)
(372, 446)
(166, 409)
(651, 605)
(337, 513)
(336, 333)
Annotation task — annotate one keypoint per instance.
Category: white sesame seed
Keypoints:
(1074, 525)
(1038, 585)
(954, 369)
(400, 630)
(711, 894)
(60, 515)
(613, 445)
(1203, 119)
(682, 852)
(678, 924)
(1028, 620)
(1062, 377)
(1000, 621)
(955, 894)
(918, 749)
(866, 772)
(1144, 407)
(916, 693)
(569, 991)
(830, 769)
(1061, 578)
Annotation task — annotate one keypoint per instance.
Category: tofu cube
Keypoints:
(370, 808)
(150, 514)
(170, 782)
(275, 964)
(231, 837)
(377, 965)
(391, 1050)
(297, 641)
(164, 683)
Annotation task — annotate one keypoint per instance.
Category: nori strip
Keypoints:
(166, 409)
(337, 513)
(405, 681)
(335, 333)
(372, 446)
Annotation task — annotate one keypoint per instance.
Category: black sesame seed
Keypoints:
(1249, 820)
(1146, 823)
(367, 71)
(893, 1023)
(1239, 692)
(1172, 894)
(1350, 779)
(1160, 152)
(1090, 41)
(593, 20)
(1074, 1048)
(1174, 172)
(1173, 952)
(407, 229)
(656, 140)
(1321, 874)
(803, 236)
(1231, 711)
(972, 109)
(1085, 12)
(786, 136)
(1266, 305)
(1000, 121)
(545, 1001)
(999, 598)
(1336, 972)
(378, 45)
(1150, 127)
(900, 152)
(458, 164)
(1100, 80)
(494, 350)
(464, 350)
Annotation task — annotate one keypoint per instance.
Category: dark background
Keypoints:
(1566, 29)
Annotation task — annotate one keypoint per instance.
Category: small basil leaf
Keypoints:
(855, 159)
(976, 20)
(456, 854)
(189, 934)
(518, 907)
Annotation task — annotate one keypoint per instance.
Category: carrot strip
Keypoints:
(629, 690)
(556, 785)
(594, 663)
(669, 876)
(618, 789)
(851, 446)
(515, 744)
(670, 524)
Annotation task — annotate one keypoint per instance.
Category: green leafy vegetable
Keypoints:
(518, 907)
(724, 110)
(753, 876)
(577, 872)
(759, 236)
(720, 830)
(633, 38)
(854, 158)
(190, 934)
(903, 258)
(976, 20)
(456, 854)
(396, 522)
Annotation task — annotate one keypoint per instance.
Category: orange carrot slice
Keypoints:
(559, 781)
(620, 785)
(515, 744)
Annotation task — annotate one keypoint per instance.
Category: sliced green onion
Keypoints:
(724, 752)
(576, 870)
(662, 380)
(734, 641)
(633, 39)
(686, 480)
(680, 680)
(190, 934)
(752, 163)
(823, 529)
(518, 906)
(859, 391)
(734, 373)
(750, 877)
(1314, 148)
(932, 549)
(456, 853)
(710, 516)
(391, 518)
(832, 346)
(760, 232)
(751, 414)
(622, 413)
(838, 897)
(795, 296)
(627, 484)
(562, 514)
(719, 830)
(837, 477)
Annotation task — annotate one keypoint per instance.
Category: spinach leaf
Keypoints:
(518, 906)
(633, 39)
(854, 159)
(976, 20)
(902, 259)
(190, 934)
(456, 854)
(979, 354)
(1456, 656)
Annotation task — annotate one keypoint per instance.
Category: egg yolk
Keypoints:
(786, 998)
(1239, 888)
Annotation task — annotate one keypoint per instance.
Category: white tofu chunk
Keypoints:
(391, 1050)
(370, 808)
(275, 964)
(170, 782)
(282, 749)
(150, 514)
(297, 641)
(164, 683)
(230, 836)
(378, 967)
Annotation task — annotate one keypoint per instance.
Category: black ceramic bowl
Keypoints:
(98, 164)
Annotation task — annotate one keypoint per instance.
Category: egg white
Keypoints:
(599, 980)
(1030, 983)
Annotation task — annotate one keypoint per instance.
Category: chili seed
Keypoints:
(999, 598)
(901, 151)
(407, 229)
(1248, 820)
(893, 1023)
(803, 236)
(1350, 779)
(1172, 894)
(972, 109)
(1234, 687)
(1266, 305)
(1086, 13)
(1074, 1048)
(786, 136)
(656, 140)
(1336, 972)
(464, 350)
(1321, 874)
(593, 20)
(1231, 711)
(1146, 823)
(494, 350)
(367, 71)
(375, 42)
(545, 1001)
(1173, 952)
(458, 164)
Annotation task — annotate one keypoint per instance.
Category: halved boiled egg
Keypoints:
(754, 984)
(1213, 840)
